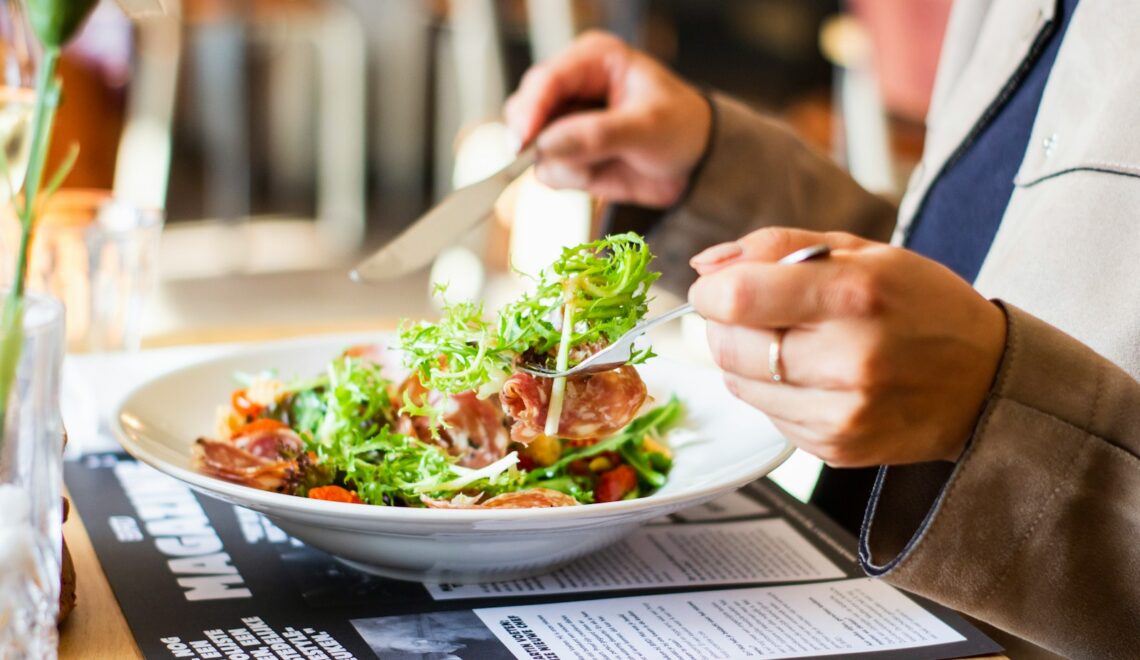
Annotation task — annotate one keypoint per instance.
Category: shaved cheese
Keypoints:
(558, 388)
(264, 390)
(490, 472)
(554, 411)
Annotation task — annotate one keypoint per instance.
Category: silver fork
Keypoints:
(621, 350)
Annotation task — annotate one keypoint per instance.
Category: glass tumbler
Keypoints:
(98, 255)
(31, 450)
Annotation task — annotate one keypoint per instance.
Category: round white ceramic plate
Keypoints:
(726, 445)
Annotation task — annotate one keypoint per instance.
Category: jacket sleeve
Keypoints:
(1036, 528)
(757, 173)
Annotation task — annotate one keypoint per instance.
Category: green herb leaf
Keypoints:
(458, 354)
(606, 283)
(655, 423)
(347, 420)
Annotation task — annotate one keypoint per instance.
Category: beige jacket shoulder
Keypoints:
(1037, 528)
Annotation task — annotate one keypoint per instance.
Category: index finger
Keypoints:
(586, 71)
(770, 244)
(768, 295)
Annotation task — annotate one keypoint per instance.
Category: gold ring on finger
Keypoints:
(776, 356)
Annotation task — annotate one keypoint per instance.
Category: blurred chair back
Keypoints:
(142, 171)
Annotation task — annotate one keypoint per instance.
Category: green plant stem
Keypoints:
(47, 98)
(11, 341)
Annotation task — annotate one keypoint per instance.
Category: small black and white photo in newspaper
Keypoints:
(457, 635)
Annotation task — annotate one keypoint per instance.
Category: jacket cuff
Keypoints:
(1003, 528)
(916, 510)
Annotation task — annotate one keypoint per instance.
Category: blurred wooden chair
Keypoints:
(290, 28)
(885, 53)
(120, 78)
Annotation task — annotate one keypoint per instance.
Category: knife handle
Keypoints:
(526, 158)
(568, 107)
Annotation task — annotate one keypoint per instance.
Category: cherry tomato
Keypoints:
(615, 484)
(244, 406)
(335, 494)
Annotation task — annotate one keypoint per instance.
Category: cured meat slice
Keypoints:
(475, 431)
(534, 498)
(530, 499)
(274, 444)
(232, 463)
(595, 406)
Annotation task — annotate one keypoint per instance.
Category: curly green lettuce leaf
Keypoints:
(606, 284)
(460, 353)
(347, 421)
(601, 288)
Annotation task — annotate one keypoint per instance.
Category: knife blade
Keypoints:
(444, 224)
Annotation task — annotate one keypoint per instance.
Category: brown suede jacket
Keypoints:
(1036, 529)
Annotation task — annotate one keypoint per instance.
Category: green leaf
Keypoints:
(637, 459)
(655, 422)
(347, 421)
(61, 172)
(580, 488)
(55, 22)
(605, 282)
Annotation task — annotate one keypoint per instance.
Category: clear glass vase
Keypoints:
(30, 484)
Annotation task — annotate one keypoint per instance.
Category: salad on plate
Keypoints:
(444, 419)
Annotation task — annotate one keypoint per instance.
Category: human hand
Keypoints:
(640, 147)
(887, 358)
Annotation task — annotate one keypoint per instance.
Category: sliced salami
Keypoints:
(596, 405)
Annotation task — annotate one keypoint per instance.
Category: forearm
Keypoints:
(757, 173)
(1034, 529)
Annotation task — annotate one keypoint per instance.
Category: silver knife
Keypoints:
(442, 225)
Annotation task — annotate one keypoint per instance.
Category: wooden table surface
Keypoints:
(97, 628)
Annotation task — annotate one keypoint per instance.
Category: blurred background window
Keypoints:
(334, 122)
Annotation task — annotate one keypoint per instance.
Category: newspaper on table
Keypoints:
(755, 574)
